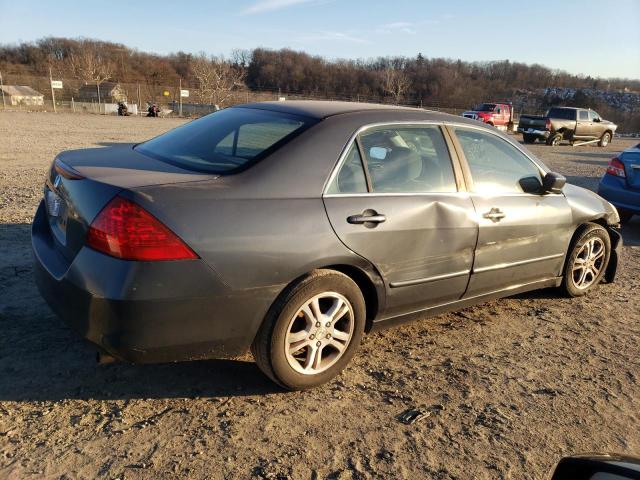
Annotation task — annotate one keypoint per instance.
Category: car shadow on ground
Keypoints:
(41, 359)
(631, 232)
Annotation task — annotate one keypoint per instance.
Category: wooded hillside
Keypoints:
(417, 81)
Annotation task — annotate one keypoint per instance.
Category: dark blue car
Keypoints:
(621, 184)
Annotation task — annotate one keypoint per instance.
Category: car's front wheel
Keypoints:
(604, 139)
(587, 261)
(312, 331)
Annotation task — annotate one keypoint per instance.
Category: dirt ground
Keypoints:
(507, 387)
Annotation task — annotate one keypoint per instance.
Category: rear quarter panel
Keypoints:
(255, 246)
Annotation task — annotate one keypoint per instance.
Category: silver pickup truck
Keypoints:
(566, 123)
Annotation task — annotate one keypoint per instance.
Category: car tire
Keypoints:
(625, 215)
(286, 347)
(587, 260)
(527, 138)
(605, 139)
(555, 139)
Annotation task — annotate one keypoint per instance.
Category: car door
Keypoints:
(522, 237)
(584, 126)
(596, 127)
(395, 200)
(505, 115)
(497, 115)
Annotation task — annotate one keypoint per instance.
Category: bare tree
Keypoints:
(241, 57)
(395, 82)
(217, 78)
(88, 64)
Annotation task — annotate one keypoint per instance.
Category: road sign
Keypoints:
(166, 93)
(56, 84)
(184, 93)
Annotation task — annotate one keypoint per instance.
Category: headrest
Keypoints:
(401, 165)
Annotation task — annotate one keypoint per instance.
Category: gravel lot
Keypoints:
(507, 387)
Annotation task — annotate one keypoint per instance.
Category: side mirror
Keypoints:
(553, 182)
(531, 185)
(597, 120)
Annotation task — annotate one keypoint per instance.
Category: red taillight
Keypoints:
(616, 167)
(125, 230)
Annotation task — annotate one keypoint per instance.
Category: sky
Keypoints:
(589, 37)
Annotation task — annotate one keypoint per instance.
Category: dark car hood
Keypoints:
(124, 167)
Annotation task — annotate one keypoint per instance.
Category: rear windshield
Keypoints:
(562, 113)
(226, 141)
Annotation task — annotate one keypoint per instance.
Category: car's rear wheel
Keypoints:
(528, 138)
(587, 261)
(312, 331)
(555, 139)
(604, 139)
(625, 215)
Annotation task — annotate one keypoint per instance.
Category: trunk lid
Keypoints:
(123, 166)
(631, 161)
(81, 182)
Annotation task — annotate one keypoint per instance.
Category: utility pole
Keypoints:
(4, 105)
(180, 95)
(53, 95)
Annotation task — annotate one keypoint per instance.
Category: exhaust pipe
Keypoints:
(104, 358)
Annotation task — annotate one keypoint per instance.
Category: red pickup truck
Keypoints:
(499, 115)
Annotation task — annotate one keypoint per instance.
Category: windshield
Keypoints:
(485, 107)
(226, 141)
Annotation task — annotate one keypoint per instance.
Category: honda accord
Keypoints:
(294, 228)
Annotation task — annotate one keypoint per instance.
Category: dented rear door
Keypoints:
(421, 242)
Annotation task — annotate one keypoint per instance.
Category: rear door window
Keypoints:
(350, 177)
(407, 159)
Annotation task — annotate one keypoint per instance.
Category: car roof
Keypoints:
(320, 109)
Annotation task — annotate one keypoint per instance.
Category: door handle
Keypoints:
(363, 219)
(495, 215)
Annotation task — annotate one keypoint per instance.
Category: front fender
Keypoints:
(587, 206)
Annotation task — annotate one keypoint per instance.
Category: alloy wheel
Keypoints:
(588, 263)
(319, 333)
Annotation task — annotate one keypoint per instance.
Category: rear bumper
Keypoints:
(616, 191)
(532, 131)
(144, 312)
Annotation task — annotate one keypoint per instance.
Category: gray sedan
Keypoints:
(293, 228)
